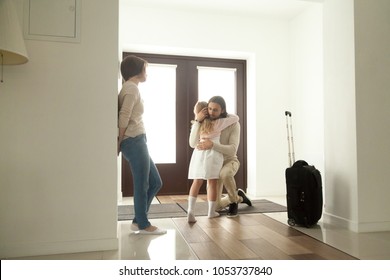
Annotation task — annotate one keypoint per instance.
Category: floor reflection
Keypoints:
(169, 246)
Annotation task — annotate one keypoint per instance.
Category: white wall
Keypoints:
(356, 63)
(372, 45)
(306, 98)
(265, 43)
(340, 117)
(58, 141)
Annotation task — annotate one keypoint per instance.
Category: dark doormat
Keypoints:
(258, 206)
(156, 211)
(173, 210)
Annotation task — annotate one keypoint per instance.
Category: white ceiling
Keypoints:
(284, 9)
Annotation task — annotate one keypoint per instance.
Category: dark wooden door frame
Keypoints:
(187, 77)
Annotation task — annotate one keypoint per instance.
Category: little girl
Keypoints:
(205, 164)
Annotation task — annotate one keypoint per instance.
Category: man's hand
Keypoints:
(205, 144)
(120, 139)
(202, 115)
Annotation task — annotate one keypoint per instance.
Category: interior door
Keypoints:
(169, 103)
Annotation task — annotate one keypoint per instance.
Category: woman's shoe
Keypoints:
(157, 231)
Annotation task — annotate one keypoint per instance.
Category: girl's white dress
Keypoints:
(207, 164)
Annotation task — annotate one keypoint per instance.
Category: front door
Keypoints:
(173, 86)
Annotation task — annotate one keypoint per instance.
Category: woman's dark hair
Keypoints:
(219, 100)
(132, 66)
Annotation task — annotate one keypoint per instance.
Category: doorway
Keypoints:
(174, 85)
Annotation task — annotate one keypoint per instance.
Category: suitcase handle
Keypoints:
(290, 138)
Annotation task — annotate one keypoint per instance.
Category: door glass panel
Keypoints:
(159, 95)
(218, 81)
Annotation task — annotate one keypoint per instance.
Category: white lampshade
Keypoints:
(12, 47)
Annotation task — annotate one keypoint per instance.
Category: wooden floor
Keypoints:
(250, 236)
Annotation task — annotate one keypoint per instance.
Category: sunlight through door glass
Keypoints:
(218, 81)
(159, 95)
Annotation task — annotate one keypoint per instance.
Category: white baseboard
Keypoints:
(354, 226)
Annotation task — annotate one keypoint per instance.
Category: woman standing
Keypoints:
(132, 143)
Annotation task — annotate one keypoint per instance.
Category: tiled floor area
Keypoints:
(364, 246)
(172, 246)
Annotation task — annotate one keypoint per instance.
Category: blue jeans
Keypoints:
(146, 178)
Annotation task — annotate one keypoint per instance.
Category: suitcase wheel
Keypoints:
(291, 222)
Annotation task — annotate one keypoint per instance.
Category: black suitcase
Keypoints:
(304, 187)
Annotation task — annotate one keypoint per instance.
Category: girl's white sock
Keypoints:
(191, 209)
(212, 213)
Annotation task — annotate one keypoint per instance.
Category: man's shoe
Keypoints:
(245, 199)
(233, 209)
